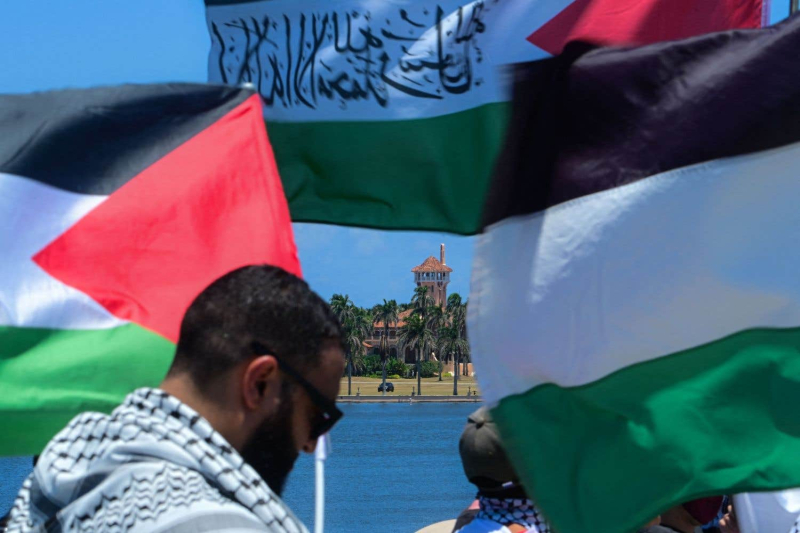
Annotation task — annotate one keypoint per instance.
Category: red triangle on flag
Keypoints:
(212, 205)
(637, 22)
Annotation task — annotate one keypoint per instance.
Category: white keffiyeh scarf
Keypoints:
(507, 511)
(152, 465)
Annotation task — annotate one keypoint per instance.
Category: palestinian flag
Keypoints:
(391, 115)
(635, 305)
(118, 206)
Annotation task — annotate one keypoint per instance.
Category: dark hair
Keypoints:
(253, 305)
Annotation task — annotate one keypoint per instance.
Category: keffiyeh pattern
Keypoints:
(513, 511)
(153, 461)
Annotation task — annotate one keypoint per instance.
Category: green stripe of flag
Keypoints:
(410, 174)
(658, 415)
(50, 375)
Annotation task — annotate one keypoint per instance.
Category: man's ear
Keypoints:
(260, 381)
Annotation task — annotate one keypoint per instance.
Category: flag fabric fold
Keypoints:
(119, 205)
(635, 308)
(390, 115)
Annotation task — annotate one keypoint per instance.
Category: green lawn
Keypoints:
(402, 387)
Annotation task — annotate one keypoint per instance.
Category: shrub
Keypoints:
(427, 369)
(395, 366)
(447, 374)
(393, 376)
(370, 364)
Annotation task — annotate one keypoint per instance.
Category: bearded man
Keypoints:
(253, 383)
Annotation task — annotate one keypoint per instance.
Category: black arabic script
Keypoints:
(342, 57)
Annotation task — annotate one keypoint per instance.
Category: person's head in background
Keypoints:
(503, 503)
(260, 357)
(484, 459)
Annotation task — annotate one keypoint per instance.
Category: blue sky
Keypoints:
(50, 44)
(370, 265)
(82, 43)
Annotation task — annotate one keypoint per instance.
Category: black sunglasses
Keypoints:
(330, 414)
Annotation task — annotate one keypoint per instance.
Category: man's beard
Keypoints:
(271, 450)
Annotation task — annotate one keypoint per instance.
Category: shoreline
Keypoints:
(409, 399)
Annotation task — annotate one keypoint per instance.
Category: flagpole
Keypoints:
(320, 454)
(319, 499)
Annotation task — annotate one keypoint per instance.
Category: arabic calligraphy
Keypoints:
(307, 59)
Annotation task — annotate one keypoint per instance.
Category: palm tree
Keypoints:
(359, 329)
(457, 314)
(422, 303)
(450, 342)
(388, 313)
(415, 334)
(352, 347)
(384, 351)
(466, 359)
(356, 326)
(437, 319)
(466, 354)
(342, 306)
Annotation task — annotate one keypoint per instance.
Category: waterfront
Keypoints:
(367, 386)
(394, 467)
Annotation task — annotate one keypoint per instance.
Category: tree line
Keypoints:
(428, 329)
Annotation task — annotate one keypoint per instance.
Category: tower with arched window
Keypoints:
(434, 274)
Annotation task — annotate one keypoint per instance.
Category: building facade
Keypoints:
(432, 273)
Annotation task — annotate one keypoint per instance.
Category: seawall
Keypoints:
(409, 399)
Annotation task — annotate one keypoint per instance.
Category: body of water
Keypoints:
(394, 467)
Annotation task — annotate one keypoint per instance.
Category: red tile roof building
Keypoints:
(434, 274)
